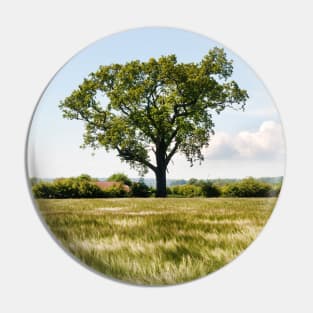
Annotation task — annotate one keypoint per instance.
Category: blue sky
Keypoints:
(246, 143)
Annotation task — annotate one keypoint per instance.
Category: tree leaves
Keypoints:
(159, 105)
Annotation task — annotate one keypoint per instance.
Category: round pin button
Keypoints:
(155, 156)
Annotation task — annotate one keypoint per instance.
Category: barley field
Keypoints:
(152, 241)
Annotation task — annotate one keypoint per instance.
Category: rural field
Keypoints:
(153, 241)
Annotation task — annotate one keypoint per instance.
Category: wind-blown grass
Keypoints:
(156, 241)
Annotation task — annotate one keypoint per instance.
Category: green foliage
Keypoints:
(84, 187)
(67, 188)
(86, 177)
(43, 190)
(209, 189)
(79, 187)
(120, 177)
(187, 190)
(248, 187)
(115, 191)
(169, 190)
(196, 188)
(159, 106)
(140, 189)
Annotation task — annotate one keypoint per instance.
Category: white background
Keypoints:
(274, 273)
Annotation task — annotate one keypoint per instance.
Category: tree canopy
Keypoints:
(120, 177)
(148, 111)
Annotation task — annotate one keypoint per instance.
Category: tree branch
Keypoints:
(128, 156)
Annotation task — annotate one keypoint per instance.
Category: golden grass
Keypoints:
(156, 241)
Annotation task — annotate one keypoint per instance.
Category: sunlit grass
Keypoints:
(156, 241)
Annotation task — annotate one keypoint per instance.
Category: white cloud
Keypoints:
(265, 143)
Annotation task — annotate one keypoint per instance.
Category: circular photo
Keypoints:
(155, 156)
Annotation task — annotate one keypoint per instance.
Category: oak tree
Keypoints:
(149, 111)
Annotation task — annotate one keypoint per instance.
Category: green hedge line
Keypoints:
(248, 187)
(75, 188)
(84, 187)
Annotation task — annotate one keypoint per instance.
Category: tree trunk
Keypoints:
(160, 172)
(160, 182)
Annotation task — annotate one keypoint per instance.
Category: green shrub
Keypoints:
(140, 189)
(187, 190)
(121, 178)
(168, 190)
(115, 191)
(43, 190)
(86, 177)
(209, 189)
(67, 188)
(88, 190)
(231, 190)
(248, 187)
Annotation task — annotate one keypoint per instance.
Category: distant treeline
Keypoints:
(174, 182)
(224, 181)
(84, 186)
